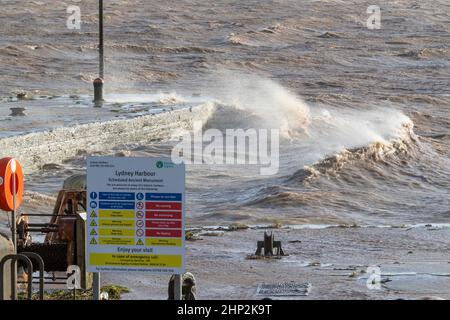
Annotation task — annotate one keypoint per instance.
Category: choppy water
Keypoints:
(369, 109)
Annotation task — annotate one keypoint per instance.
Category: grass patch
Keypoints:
(114, 292)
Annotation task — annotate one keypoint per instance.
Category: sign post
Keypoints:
(136, 216)
(178, 294)
(96, 286)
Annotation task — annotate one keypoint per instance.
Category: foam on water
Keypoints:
(273, 105)
(316, 131)
(160, 98)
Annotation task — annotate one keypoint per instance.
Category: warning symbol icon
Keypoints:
(93, 214)
(93, 233)
(93, 223)
(93, 241)
(139, 243)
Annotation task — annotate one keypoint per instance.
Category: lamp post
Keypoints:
(100, 46)
(98, 83)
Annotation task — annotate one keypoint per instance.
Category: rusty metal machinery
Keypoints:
(269, 245)
(64, 243)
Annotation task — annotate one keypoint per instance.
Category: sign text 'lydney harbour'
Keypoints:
(137, 173)
(134, 176)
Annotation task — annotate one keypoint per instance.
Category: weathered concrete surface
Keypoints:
(36, 149)
(50, 113)
(416, 261)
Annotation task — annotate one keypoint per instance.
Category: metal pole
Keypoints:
(14, 234)
(177, 287)
(96, 286)
(100, 45)
(98, 83)
(38, 259)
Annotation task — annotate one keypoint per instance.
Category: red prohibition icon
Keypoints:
(139, 223)
(140, 205)
(140, 232)
(140, 214)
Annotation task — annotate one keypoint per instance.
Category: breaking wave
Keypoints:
(375, 152)
(329, 154)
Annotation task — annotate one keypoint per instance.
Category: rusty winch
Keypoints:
(64, 243)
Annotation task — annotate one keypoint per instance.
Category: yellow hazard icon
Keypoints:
(93, 223)
(93, 241)
(139, 243)
(93, 214)
(93, 232)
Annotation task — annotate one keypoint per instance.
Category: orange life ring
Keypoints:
(10, 168)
